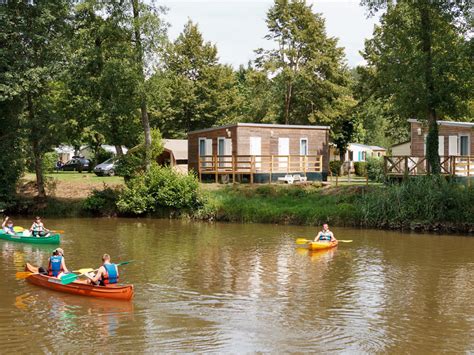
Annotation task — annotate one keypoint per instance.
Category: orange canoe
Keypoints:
(115, 292)
(322, 245)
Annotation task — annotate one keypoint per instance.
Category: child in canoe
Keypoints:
(7, 226)
(325, 235)
(37, 229)
(57, 265)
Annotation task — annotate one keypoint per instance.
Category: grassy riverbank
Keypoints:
(306, 205)
(419, 204)
(423, 204)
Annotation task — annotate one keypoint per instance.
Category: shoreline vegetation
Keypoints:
(425, 204)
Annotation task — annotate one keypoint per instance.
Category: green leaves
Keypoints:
(309, 76)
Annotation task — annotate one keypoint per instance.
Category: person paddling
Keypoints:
(37, 229)
(106, 274)
(325, 235)
(57, 265)
(7, 226)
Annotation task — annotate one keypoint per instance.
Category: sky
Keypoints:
(238, 27)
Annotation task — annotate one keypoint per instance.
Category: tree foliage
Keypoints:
(34, 43)
(309, 75)
(421, 55)
(192, 91)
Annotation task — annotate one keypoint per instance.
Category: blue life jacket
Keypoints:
(112, 274)
(325, 236)
(10, 229)
(55, 265)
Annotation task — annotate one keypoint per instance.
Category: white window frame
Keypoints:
(468, 143)
(199, 147)
(307, 145)
(220, 139)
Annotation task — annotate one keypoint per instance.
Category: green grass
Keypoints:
(283, 204)
(74, 176)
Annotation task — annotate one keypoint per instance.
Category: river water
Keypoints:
(244, 288)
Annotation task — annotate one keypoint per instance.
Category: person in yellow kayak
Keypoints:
(325, 235)
(57, 265)
(7, 226)
(37, 229)
(106, 274)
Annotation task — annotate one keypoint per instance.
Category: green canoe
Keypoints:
(19, 237)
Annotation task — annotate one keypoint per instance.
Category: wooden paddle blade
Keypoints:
(23, 274)
(68, 278)
(83, 271)
(302, 241)
(344, 241)
(60, 231)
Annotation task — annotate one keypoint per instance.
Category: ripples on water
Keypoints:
(245, 288)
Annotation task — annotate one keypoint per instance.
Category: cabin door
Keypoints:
(205, 152)
(224, 151)
(256, 150)
(284, 152)
(453, 145)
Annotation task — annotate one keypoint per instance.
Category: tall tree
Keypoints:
(192, 90)
(422, 55)
(307, 67)
(34, 38)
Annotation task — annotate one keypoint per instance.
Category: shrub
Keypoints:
(160, 188)
(375, 169)
(49, 162)
(421, 199)
(102, 202)
(335, 167)
(132, 163)
(360, 168)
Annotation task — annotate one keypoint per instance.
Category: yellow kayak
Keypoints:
(322, 245)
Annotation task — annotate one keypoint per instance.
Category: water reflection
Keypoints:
(245, 288)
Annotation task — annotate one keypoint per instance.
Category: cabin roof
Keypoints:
(448, 123)
(368, 147)
(179, 148)
(261, 125)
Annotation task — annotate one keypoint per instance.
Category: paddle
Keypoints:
(306, 241)
(68, 278)
(24, 274)
(19, 229)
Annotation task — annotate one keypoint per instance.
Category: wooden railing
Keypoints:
(254, 164)
(411, 166)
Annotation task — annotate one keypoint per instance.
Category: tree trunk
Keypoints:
(38, 169)
(432, 143)
(289, 89)
(119, 150)
(38, 159)
(143, 102)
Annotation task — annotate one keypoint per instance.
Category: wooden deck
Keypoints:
(412, 166)
(235, 165)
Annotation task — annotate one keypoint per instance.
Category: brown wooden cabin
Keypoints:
(456, 150)
(259, 152)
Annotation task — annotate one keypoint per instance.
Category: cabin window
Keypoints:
(304, 146)
(453, 145)
(202, 146)
(464, 145)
